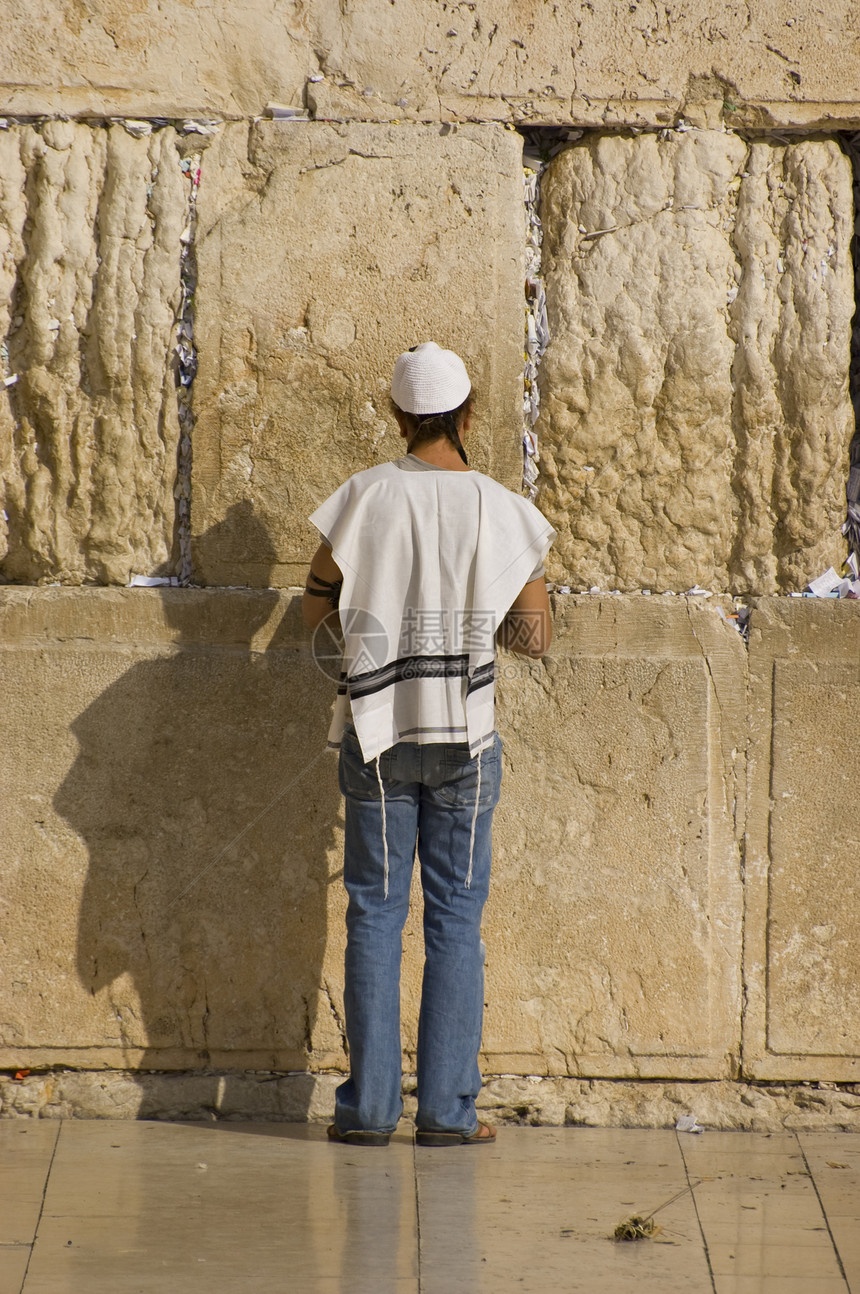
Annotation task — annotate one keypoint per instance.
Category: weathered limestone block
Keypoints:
(90, 225)
(793, 418)
(636, 435)
(173, 853)
(541, 1101)
(764, 66)
(592, 62)
(323, 252)
(589, 64)
(170, 820)
(425, 60)
(144, 58)
(613, 928)
(695, 414)
(86, 1094)
(721, 1105)
(802, 946)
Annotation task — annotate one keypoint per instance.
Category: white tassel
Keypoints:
(384, 832)
(474, 821)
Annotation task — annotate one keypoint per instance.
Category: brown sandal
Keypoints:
(483, 1135)
(358, 1137)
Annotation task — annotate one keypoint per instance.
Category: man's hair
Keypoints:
(427, 427)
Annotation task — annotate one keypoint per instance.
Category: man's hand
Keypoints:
(315, 609)
(527, 628)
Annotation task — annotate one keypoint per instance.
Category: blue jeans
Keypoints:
(429, 803)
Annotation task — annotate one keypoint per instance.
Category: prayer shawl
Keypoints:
(431, 562)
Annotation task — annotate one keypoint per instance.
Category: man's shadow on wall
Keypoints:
(207, 950)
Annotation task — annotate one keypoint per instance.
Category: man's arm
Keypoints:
(323, 567)
(527, 628)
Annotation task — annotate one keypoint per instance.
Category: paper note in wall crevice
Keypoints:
(825, 583)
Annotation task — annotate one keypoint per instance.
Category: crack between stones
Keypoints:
(851, 528)
(186, 371)
(338, 161)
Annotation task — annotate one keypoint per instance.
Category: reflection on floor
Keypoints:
(109, 1207)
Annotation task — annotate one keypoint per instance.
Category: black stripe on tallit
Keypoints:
(409, 667)
(483, 675)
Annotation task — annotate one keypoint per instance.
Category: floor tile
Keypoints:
(488, 1228)
(138, 1207)
(760, 1215)
(818, 1261)
(752, 1228)
(747, 1143)
(831, 1145)
(835, 1165)
(834, 1161)
(846, 1237)
(778, 1285)
(158, 1206)
(25, 1156)
(13, 1265)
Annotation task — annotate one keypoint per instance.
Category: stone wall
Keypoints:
(308, 188)
(695, 404)
(174, 847)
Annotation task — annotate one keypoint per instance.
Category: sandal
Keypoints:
(483, 1135)
(358, 1137)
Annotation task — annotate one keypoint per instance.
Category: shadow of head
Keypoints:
(192, 619)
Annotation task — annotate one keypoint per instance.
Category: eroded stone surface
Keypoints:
(793, 419)
(591, 63)
(695, 415)
(271, 1097)
(173, 829)
(90, 225)
(144, 58)
(804, 1003)
(617, 835)
(323, 252)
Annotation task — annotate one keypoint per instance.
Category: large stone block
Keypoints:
(614, 921)
(144, 58)
(802, 945)
(172, 867)
(90, 225)
(323, 252)
(591, 62)
(793, 418)
(171, 827)
(695, 414)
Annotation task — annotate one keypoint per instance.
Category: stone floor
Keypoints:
(113, 1207)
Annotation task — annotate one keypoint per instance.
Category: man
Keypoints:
(433, 564)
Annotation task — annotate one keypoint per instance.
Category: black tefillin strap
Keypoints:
(331, 589)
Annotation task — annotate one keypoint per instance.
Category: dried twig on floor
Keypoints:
(642, 1226)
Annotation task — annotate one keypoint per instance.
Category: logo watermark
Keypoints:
(353, 641)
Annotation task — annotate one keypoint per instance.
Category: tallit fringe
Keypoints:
(385, 833)
(474, 822)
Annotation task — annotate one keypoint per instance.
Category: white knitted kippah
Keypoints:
(428, 379)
